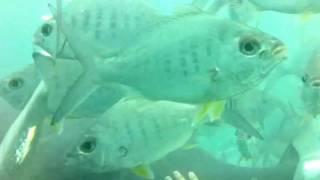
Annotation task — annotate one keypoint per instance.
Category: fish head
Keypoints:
(46, 37)
(18, 87)
(96, 151)
(310, 93)
(249, 55)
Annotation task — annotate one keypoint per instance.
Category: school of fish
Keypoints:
(119, 90)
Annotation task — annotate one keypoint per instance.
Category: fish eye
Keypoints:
(46, 30)
(249, 46)
(15, 83)
(88, 146)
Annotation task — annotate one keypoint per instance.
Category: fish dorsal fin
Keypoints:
(143, 171)
(187, 10)
(236, 120)
(290, 155)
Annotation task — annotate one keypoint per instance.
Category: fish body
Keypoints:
(310, 93)
(199, 60)
(107, 26)
(181, 64)
(131, 133)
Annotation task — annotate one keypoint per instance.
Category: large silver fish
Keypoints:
(132, 133)
(211, 60)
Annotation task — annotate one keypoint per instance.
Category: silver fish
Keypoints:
(133, 133)
(18, 87)
(311, 85)
(172, 59)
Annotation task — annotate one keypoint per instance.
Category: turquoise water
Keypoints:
(269, 130)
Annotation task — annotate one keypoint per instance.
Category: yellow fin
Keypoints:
(143, 171)
(306, 16)
(189, 147)
(24, 148)
(217, 109)
(212, 109)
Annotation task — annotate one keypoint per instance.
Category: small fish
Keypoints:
(172, 59)
(132, 133)
(17, 88)
(311, 85)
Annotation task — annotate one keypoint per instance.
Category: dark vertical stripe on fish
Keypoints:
(157, 127)
(86, 20)
(195, 60)
(113, 20)
(99, 20)
(129, 133)
(144, 135)
(126, 21)
(74, 21)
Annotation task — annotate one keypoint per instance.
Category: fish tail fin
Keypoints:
(83, 87)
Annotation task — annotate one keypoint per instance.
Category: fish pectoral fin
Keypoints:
(187, 147)
(306, 16)
(212, 109)
(216, 110)
(143, 171)
(83, 87)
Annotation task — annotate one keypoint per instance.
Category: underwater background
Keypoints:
(280, 141)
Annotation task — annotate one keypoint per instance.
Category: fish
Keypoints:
(23, 133)
(310, 93)
(288, 6)
(207, 167)
(133, 134)
(17, 88)
(172, 59)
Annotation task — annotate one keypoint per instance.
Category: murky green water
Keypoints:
(137, 89)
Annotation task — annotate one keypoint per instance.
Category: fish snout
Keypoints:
(279, 50)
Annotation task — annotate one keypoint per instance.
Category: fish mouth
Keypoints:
(280, 52)
(315, 83)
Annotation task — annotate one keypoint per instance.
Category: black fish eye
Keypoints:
(249, 46)
(46, 30)
(88, 146)
(15, 83)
